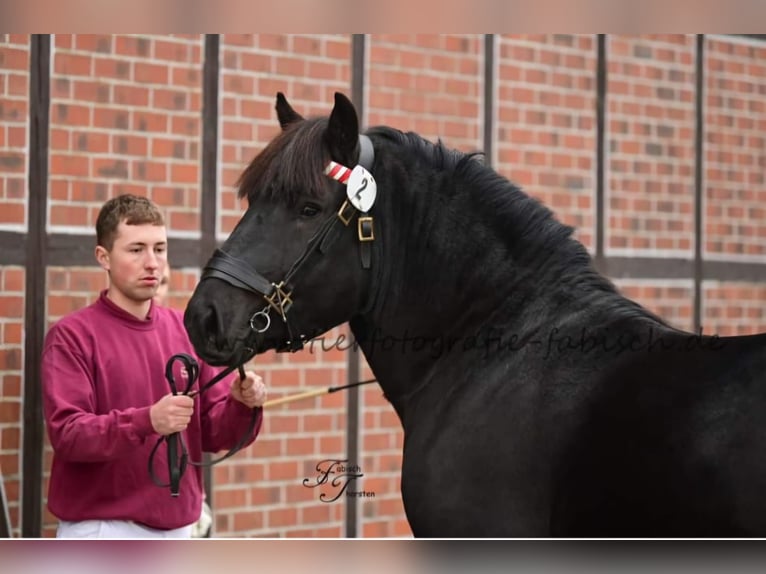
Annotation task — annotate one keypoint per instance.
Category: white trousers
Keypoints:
(116, 529)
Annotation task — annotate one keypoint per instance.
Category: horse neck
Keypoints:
(446, 267)
(441, 265)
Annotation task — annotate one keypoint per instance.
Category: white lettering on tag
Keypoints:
(361, 189)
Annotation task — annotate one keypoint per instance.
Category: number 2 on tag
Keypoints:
(361, 189)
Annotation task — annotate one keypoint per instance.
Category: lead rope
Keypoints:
(177, 463)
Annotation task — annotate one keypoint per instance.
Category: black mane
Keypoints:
(502, 204)
(529, 229)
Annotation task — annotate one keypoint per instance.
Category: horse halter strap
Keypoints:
(240, 274)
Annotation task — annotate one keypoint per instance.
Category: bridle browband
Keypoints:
(278, 295)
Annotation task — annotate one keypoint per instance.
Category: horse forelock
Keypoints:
(290, 166)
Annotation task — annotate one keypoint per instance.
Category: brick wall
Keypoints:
(734, 308)
(546, 122)
(650, 150)
(125, 116)
(670, 299)
(14, 107)
(650, 142)
(427, 83)
(735, 150)
(308, 69)
(11, 369)
(734, 185)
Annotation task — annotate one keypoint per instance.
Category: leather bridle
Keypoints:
(278, 295)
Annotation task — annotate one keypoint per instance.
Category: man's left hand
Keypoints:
(249, 391)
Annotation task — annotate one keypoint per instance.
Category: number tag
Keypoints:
(361, 189)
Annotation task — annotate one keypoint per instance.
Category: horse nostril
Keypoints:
(211, 326)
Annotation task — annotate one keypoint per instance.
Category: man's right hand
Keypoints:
(171, 413)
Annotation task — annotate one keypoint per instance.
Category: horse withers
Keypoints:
(534, 398)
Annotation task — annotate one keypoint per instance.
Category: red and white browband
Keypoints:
(337, 171)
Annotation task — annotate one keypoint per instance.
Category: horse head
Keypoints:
(291, 268)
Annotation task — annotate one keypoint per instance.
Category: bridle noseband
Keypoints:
(278, 296)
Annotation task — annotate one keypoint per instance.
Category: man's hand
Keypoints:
(171, 413)
(249, 391)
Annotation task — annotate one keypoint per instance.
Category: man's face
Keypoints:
(136, 261)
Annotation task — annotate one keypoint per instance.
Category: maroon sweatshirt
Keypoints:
(102, 369)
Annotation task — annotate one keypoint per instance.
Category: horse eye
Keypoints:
(309, 210)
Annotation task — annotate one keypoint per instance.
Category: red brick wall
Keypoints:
(428, 83)
(308, 69)
(735, 149)
(14, 107)
(672, 300)
(11, 370)
(734, 184)
(546, 122)
(125, 116)
(650, 145)
(650, 150)
(734, 308)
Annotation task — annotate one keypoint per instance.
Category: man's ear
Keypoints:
(102, 256)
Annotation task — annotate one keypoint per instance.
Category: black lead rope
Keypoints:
(177, 463)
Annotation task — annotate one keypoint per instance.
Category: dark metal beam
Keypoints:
(13, 248)
(36, 261)
(699, 162)
(77, 251)
(209, 192)
(489, 97)
(761, 37)
(601, 85)
(645, 268)
(734, 271)
(358, 47)
(661, 268)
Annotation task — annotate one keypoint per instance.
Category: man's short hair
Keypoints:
(132, 209)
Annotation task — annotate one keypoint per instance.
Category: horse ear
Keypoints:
(286, 114)
(343, 129)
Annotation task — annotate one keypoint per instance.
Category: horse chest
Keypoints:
(473, 473)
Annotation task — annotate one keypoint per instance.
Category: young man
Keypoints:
(106, 399)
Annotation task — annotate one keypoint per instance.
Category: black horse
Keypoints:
(535, 399)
